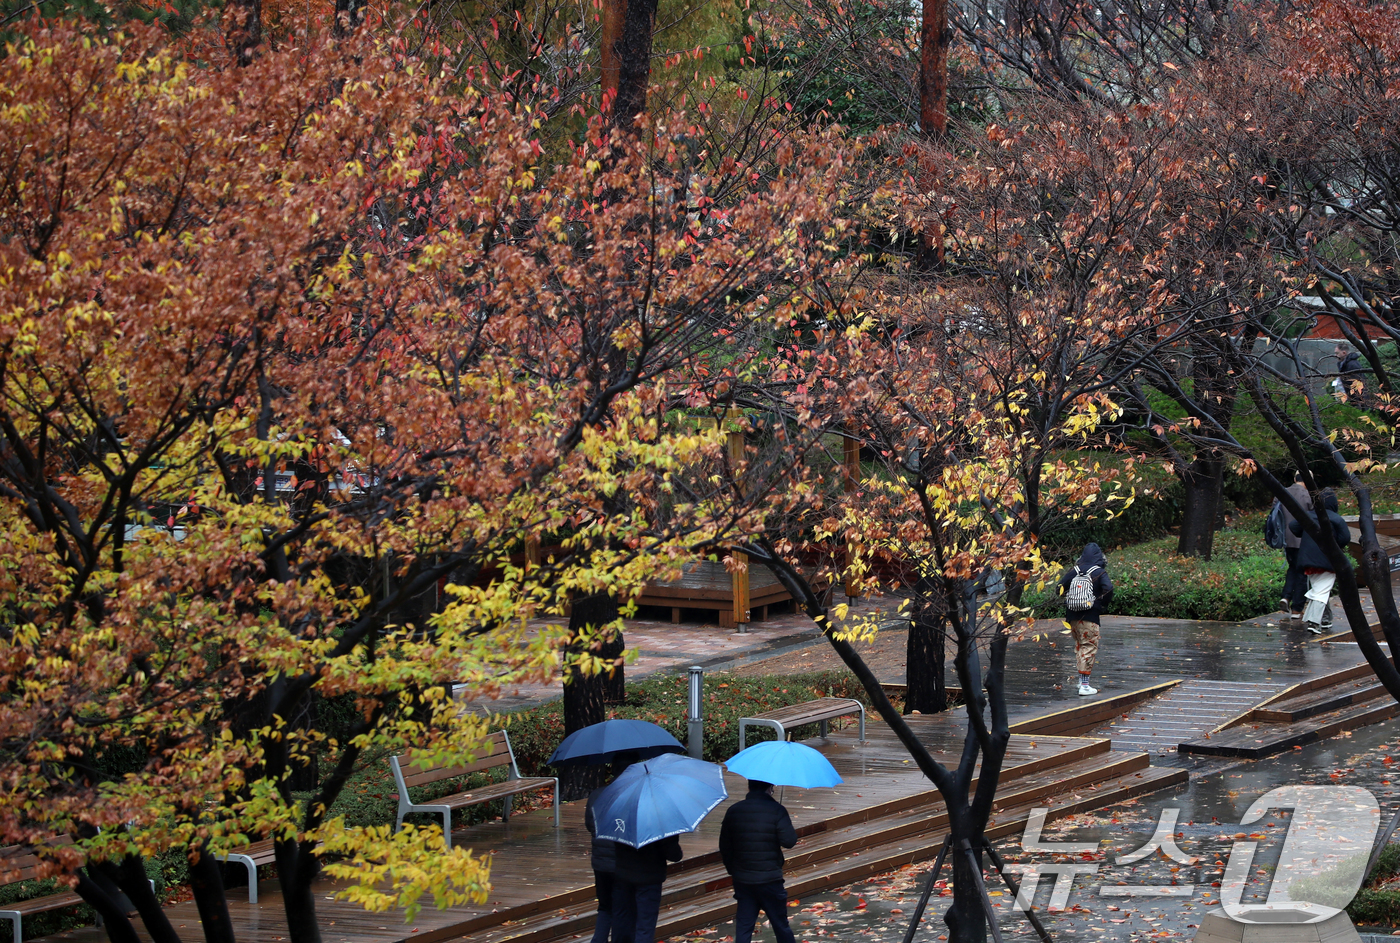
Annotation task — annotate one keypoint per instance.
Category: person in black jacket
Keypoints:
(638, 874)
(1084, 622)
(1321, 575)
(604, 858)
(756, 829)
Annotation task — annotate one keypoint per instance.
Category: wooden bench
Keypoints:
(23, 859)
(256, 854)
(821, 711)
(498, 753)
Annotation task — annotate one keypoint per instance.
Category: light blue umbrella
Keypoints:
(784, 763)
(658, 798)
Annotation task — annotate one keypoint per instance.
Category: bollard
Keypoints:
(697, 712)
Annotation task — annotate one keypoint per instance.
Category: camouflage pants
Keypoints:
(1086, 644)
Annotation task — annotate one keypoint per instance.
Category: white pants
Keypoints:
(1319, 591)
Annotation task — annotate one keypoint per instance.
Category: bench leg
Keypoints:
(14, 918)
(447, 829)
(675, 615)
(726, 618)
(556, 803)
(824, 727)
(506, 807)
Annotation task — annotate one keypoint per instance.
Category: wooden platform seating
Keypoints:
(820, 711)
(707, 585)
(498, 753)
(24, 860)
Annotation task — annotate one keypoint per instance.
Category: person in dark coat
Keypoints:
(756, 829)
(604, 858)
(1351, 370)
(1321, 575)
(638, 874)
(1295, 585)
(1084, 623)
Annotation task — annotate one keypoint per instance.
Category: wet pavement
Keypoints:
(1208, 810)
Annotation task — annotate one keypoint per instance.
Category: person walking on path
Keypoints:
(755, 831)
(638, 874)
(1086, 588)
(1321, 577)
(1295, 584)
(604, 858)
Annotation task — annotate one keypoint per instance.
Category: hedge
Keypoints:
(371, 798)
(1243, 579)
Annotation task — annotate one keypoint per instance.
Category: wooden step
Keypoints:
(1313, 703)
(1255, 740)
(711, 903)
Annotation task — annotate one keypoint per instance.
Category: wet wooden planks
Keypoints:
(538, 870)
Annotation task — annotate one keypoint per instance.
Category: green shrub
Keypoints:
(1243, 579)
(371, 797)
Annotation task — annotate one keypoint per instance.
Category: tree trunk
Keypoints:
(933, 114)
(114, 918)
(614, 15)
(207, 883)
(615, 681)
(966, 918)
(633, 56)
(1203, 482)
(926, 654)
(245, 30)
(296, 869)
(584, 693)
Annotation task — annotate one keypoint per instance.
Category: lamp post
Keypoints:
(697, 712)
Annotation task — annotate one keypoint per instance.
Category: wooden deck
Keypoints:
(883, 816)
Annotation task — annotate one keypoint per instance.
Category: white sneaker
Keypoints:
(1086, 691)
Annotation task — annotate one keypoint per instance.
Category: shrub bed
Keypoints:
(371, 798)
(1243, 579)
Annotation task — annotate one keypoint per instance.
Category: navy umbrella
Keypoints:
(601, 743)
(658, 798)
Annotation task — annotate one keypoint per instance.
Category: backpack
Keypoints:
(1273, 526)
(1080, 596)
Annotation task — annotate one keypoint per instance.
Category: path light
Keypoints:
(697, 711)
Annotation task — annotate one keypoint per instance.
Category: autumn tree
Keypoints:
(273, 373)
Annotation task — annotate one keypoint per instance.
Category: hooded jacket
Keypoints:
(1350, 365)
(1300, 493)
(1309, 553)
(749, 840)
(1103, 586)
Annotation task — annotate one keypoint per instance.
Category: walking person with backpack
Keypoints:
(1278, 533)
(1321, 576)
(1086, 588)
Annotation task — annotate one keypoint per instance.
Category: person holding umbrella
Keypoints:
(755, 831)
(623, 743)
(642, 812)
(638, 874)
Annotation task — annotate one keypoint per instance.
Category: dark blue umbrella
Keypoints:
(601, 743)
(658, 798)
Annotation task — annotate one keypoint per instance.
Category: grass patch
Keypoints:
(1243, 579)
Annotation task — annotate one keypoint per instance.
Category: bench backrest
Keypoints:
(21, 862)
(495, 751)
